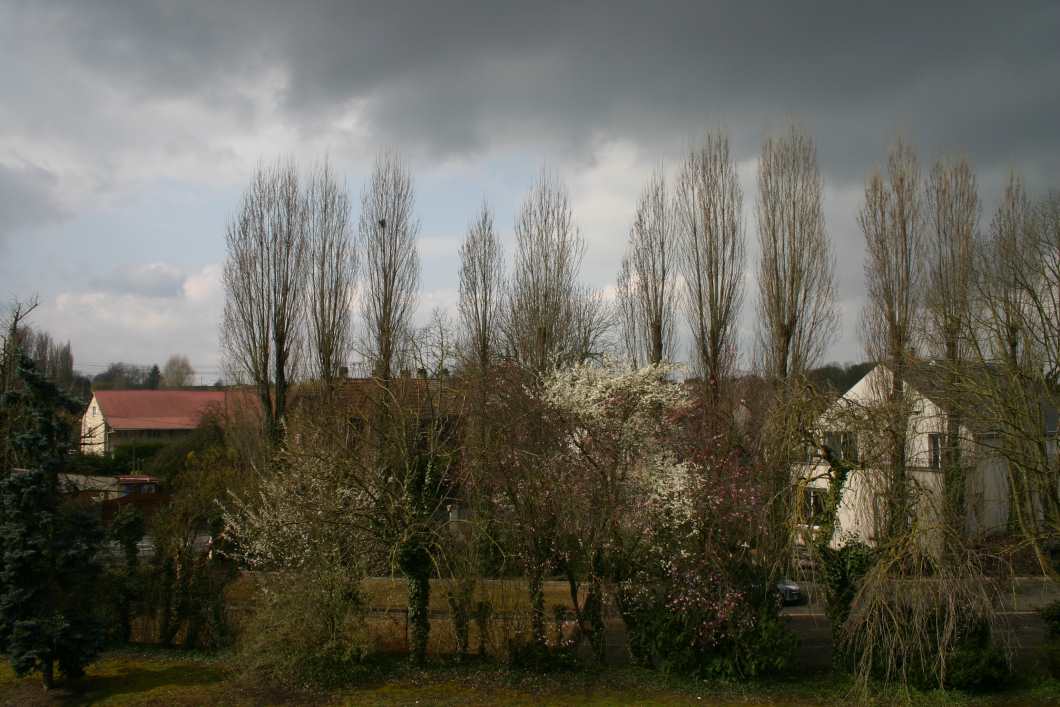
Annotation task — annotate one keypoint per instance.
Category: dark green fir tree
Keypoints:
(49, 546)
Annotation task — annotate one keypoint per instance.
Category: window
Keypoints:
(935, 450)
(813, 501)
(843, 443)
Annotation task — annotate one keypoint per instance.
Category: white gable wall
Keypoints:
(93, 430)
(986, 492)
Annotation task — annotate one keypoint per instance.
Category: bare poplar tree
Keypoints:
(549, 318)
(388, 229)
(1046, 313)
(481, 289)
(265, 283)
(646, 287)
(796, 311)
(1017, 312)
(795, 272)
(892, 221)
(953, 216)
(332, 273)
(710, 213)
(1008, 254)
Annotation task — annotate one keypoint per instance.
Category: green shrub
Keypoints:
(558, 656)
(843, 569)
(123, 579)
(92, 465)
(1050, 614)
(1051, 617)
(977, 663)
(723, 632)
(308, 630)
(134, 456)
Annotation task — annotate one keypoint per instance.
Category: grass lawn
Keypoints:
(156, 677)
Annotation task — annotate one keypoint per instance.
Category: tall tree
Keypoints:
(953, 216)
(332, 257)
(796, 311)
(177, 372)
(1009, 252)
(892, 221)
(646, 285)
(265, 283)
(710, 212)
(121, 376)
(49, 550)
(1017, 302)
(481, 289)
(796, 292)
(388, 229)
(550, 319)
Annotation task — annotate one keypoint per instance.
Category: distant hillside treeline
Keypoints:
(839, 377)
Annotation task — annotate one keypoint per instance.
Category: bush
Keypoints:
(700, 599)
(1050, 614)
(699, 623)
(977, 663)
(134, 456)
(124, 581)
(1051, 617)
(843, 570)
(170, 461)
(184, 590)
(559, 655)
(308, 630)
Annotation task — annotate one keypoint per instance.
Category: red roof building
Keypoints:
(115, 417)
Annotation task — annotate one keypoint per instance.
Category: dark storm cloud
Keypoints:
(534, 81)
(459, 77)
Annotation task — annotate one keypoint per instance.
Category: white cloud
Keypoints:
(107, 325)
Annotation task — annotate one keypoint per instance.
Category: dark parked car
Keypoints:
(790, 592)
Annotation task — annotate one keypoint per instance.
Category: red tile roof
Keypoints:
(158, 409)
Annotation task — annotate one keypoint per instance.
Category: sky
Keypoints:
(129, 130)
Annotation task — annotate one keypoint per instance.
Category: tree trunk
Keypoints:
(415, 563)
(536, 583)
(48, 672)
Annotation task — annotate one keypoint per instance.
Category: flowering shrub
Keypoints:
(701, 601)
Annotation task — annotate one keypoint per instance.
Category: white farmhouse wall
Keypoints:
(93, 430)
(986, 490)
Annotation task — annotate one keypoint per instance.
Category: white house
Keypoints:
(847, 426)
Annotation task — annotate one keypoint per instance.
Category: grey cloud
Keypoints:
(456, 77)
(27, 198)
(555, 78)
(150, 280)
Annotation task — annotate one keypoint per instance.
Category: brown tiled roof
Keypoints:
(158, 409)
(361, 395)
